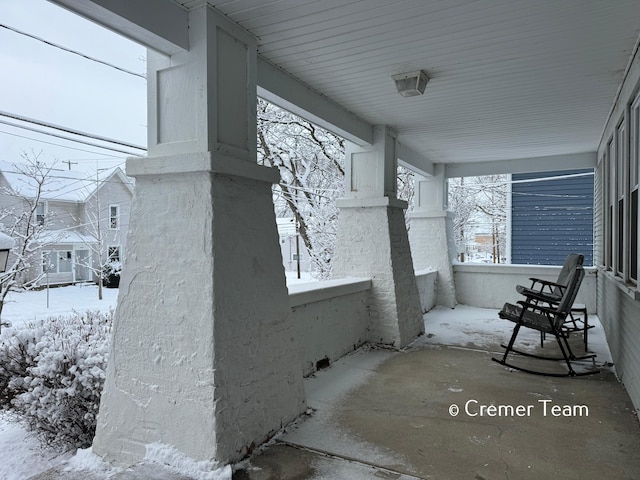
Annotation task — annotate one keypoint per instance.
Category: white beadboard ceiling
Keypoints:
(509, 78)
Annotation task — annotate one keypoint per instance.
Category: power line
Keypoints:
(52, 143)
(80, 54)
(68, 130)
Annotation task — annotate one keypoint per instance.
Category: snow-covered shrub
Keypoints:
(17, 354)
(111, 274)
(56, 374)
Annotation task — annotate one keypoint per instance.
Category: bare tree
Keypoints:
(479, 204)
(97, 245)
(24, 221)
(311, 165)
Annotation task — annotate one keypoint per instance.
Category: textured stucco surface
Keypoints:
(331, 328)
(204, 355)
(426, 282)
(431, 248)
(372, 242)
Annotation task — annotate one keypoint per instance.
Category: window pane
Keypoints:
(609, 263)
(633, 270)
(114, 254)
(113, 216)
(620, 238)
(48, 262)
(64, 262)
(620, 156)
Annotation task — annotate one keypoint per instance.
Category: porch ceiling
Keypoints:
(509, 78)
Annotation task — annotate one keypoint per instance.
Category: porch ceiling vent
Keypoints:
(411, 84)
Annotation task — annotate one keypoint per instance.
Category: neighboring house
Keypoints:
(292, 246)
(76, 210)
(551, 216)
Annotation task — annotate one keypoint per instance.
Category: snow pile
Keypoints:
(52, 373)
(169, 456)
(86, 460)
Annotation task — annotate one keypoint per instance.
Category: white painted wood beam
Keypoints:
(523, 165)
(280, 88)
(414, 161)
(166, 30)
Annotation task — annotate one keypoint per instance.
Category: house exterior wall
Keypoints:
(65, 217)
(551, 219)
(618, 293)
(289, 251)
(112, 192)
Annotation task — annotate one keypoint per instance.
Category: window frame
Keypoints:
(54, 257)
(620, 183)
(114, 220)
(111, 257)
(41, 217)
(633, 185)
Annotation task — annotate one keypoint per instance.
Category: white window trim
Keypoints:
(45, 210)
(109, 247)
(117, 217)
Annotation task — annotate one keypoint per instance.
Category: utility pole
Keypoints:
(69, 162)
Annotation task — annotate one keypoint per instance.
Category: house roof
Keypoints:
(66, 237)
(60, 185)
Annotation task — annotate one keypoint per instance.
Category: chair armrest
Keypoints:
(539, 296)
(546, 282)
(536, 307)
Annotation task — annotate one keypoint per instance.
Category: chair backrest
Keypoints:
(564, 307)
(570, 264)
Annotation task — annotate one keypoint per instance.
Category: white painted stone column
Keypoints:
(372, 240)
(431, 233)
(204, 355)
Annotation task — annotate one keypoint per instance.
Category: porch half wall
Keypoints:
(491, 286)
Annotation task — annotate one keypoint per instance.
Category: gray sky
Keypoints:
(51, 85)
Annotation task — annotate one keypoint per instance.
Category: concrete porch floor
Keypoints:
(384, 414)
(381, 414)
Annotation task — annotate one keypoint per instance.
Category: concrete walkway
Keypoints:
(442, 409)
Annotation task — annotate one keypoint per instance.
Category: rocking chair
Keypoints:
(550, 293)
(547, 319)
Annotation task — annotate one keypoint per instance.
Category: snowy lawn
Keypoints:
(23, 307)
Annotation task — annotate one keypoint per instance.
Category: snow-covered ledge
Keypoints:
(331, 319)
(490, 285)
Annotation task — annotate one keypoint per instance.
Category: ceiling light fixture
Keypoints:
(411, 84)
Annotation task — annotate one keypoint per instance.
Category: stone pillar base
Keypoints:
(431, 238)
(204, 355)
(372, 242)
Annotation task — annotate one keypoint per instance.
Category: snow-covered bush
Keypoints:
(111, 274)
(52, 373)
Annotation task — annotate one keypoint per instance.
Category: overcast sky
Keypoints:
(54, 86)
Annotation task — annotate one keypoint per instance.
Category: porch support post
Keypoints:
(431, 233)
(372, 240)
(203, 355)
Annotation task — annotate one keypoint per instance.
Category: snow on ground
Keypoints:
(481, 328)
(23, 307)
(22, 456)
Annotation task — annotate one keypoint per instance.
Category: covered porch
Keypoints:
(442, 409)
(213, 365)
